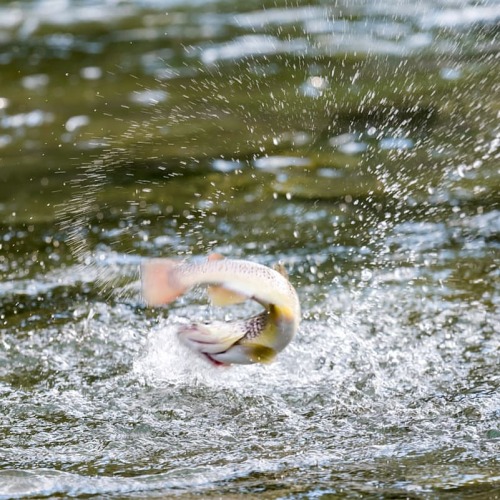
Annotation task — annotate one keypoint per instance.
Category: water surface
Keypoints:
(356, 142)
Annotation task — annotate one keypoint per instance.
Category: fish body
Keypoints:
(230, 281)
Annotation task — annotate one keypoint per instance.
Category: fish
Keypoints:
(257, 339)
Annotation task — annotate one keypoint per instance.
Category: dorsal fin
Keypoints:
(280, 268)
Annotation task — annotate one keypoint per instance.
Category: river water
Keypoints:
(356, 142)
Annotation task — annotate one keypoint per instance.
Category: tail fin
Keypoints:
(159, 282)
(215, 256)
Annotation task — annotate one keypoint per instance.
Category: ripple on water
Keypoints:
(46, 482)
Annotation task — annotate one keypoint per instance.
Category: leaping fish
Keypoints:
(254, 340)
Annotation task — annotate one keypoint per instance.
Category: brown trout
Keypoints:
(254, 340)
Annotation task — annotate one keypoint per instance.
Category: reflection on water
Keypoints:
(355, 142)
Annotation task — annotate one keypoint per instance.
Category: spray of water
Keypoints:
(371, 183)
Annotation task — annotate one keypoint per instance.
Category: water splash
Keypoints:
(381, 198)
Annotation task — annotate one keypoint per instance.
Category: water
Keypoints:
(356, 142)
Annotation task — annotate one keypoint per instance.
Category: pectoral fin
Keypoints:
(220, 296)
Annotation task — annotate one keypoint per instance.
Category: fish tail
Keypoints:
(160, 281)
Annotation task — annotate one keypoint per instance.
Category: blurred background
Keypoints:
(357, 142)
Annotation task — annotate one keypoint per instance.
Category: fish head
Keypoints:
(210, 338)
(223, 343)
(244, 354)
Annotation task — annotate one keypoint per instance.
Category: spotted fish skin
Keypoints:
(253, 340)
(255, 325)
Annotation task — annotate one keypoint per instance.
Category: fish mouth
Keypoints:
(213, 361)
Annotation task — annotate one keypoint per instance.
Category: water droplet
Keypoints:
(366, 275)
